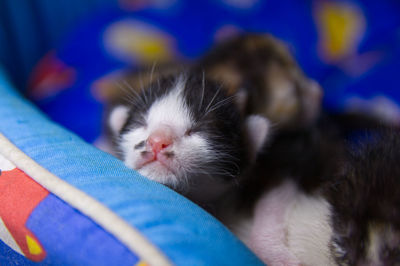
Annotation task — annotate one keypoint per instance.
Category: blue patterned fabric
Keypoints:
(347, 46)
(28, 29)
(69, 238)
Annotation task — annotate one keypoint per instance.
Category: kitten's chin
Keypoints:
(200, 188)
(158, 172)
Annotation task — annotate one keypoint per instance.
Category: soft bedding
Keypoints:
(62, 201)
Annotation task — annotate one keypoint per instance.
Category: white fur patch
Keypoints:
(169, 111)
(268, 235)
(118, 117)
(290, 228)
(258, 128)
(309, 231)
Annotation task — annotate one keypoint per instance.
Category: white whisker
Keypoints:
(202, 91)
(215, 95)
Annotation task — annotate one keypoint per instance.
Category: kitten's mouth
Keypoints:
(156, 163)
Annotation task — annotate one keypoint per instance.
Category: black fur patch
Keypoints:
(366, 193)
(307, 156)
(216, 117)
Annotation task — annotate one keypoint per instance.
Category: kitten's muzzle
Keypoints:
(160, 139)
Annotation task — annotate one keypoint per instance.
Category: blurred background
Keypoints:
(60, 53)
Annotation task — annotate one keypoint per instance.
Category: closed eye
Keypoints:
(189, 132)
(139, 145)
(194, 128)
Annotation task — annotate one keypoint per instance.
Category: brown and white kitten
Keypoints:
(261, 67)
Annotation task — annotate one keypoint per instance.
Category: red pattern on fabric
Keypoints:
(50, 76)
(19, 196)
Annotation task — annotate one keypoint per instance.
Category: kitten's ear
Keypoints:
(257, 131)
(118, 118)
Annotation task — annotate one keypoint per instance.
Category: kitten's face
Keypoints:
(184, 133)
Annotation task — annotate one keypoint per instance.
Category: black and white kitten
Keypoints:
(185, 132)
(334, 206)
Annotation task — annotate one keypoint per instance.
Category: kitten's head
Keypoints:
(263, 66)
(185, 132)
(365, 202)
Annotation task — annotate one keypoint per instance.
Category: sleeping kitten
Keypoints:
(247, 75)
(185, 132)
(261, 67)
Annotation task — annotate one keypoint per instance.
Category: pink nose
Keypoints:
(160, 139)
